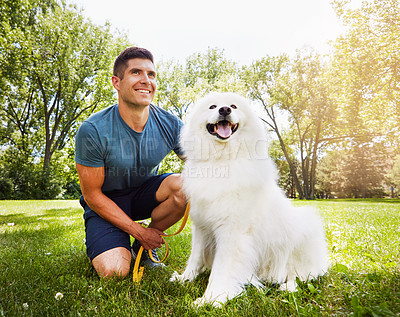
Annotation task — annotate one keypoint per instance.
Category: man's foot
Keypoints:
(145, 259)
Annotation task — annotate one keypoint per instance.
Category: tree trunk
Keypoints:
(314, 161)
(291, 166)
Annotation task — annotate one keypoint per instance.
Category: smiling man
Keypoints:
(118, 151)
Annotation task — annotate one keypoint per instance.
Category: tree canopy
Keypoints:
(55, 70)
(367, 64)
(334, 120)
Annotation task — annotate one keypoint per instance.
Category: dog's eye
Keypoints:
(213, 107)
(233, 107)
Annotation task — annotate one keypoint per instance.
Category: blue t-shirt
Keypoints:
(129, 157)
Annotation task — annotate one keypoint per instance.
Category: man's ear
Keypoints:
(115, 81)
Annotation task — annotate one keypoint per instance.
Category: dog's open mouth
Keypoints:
(222, 129)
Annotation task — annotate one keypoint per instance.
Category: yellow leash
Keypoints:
(138, 271)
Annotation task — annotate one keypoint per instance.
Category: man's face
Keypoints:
(138, 86)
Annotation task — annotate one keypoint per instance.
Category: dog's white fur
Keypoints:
(244, 228)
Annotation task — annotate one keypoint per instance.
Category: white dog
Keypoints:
(244, 229)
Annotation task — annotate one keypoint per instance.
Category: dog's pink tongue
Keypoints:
(224, 129)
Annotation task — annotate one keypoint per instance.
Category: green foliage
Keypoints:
(43, 253)
(354, 172)
(170, 87)
(180, 86)
(22, 178)
(55, 67)
(212, 69)
(55, 70)
(366, 64)
(285, 180)
(70, 185)
(171, 164)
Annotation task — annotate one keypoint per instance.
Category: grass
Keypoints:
(42, 253)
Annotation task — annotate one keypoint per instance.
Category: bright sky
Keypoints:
(246, 30)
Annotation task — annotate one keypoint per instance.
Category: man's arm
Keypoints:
(91, 180)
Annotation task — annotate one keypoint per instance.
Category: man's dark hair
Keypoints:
(126, 55)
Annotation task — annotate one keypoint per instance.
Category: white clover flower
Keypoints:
(59, 296)
(25, 306)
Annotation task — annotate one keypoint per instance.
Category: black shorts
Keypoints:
(138, 203)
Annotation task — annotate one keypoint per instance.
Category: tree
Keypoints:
(301, 90)
(286, 180)
(55, 71)
(364, 171)
(15, 17)
(330, 181)
(179, 86)
(170, 84)
(355, 171)
(367, 62)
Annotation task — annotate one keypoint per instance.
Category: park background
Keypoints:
(333, 118)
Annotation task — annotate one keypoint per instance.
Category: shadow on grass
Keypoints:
(47, 215)
(365, 294)
(41, 254)
(41, 244)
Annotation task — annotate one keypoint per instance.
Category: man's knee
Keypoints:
(109, 271)
(113, 263)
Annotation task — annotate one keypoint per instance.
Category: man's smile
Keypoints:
(145, 91)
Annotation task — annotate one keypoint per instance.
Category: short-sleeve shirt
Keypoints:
(129, 157)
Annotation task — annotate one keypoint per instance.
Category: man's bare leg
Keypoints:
(117, 261)
(113, 262)
(173, 203)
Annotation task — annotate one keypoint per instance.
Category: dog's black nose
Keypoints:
(224, 111)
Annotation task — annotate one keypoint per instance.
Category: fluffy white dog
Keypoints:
(244, 228)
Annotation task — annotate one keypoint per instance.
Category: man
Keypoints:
(118, 151)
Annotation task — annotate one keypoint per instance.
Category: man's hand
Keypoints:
(150, 238)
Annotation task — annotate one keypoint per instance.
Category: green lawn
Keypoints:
(42, 253)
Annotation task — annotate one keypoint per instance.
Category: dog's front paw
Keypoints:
(201, 301)
(176, 277)
(187, 276)
(289, 286)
